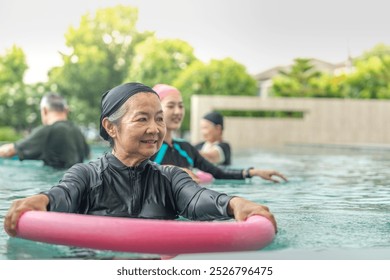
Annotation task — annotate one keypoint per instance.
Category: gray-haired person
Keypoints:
(58, 142)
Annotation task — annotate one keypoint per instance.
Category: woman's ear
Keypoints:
(109, 127)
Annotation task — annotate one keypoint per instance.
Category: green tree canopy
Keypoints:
(218, 77)
(160, 61)
(302, 80)
(17, 110)
(101, 49)
(19, 105)
(380, 51)
(13, 66)
(370, 79)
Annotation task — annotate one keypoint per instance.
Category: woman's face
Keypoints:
(173, 111)
(140, 132)
(210, 131)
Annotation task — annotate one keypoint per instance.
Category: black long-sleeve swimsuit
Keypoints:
(107, 187)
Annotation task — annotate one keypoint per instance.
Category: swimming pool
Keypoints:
(336, 205)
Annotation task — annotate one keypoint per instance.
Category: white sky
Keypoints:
(259, 34)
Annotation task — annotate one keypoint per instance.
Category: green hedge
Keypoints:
(263, 114)
(8, 134)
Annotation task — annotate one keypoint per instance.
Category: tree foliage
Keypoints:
(13, 66)
(100, 51)
(380, 51)
(19, 105)
(106, 49)
(17, 100)
(369, 78)
(218, 77)
(160, 61)
(302, 80)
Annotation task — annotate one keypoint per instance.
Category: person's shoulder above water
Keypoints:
(58, 142)
(199, 145)
(213, 147)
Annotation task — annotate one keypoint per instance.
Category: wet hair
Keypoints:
(54, 102)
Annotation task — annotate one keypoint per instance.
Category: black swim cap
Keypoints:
(113, 99)
(214, 117)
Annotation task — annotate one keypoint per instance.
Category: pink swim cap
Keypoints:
(165, 90)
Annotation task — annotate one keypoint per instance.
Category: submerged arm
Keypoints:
(7, 150)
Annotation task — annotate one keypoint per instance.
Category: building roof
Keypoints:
(318, 64)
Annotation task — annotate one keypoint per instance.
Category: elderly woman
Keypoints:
(125, 182)
(181, 153)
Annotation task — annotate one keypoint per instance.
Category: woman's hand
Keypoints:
(7, 150)
(242, 209)
(267, 175)
(37, 202)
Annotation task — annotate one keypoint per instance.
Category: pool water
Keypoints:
(336, 204)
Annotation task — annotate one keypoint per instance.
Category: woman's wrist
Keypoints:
(45, 199)
(231, 206)
(247, 173)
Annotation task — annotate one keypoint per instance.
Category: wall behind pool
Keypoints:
(324, 121)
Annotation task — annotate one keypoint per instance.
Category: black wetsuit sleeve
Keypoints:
(71, 191)
(218, 173)
(33, 146)
(227, 153)
(195, 202)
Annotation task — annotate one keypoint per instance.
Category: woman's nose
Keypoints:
(178, 110)
(153, 128)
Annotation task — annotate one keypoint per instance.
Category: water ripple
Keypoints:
(334, 199)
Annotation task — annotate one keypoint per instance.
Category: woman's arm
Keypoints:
(264, 174)
(218, 173)
(67, 196)
(214, 155)
(197, 203)
(193, 201)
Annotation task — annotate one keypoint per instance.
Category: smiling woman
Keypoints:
(125, 183)
(181, 153)
(138, 130)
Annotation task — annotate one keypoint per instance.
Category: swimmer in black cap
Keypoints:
(214, 149)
